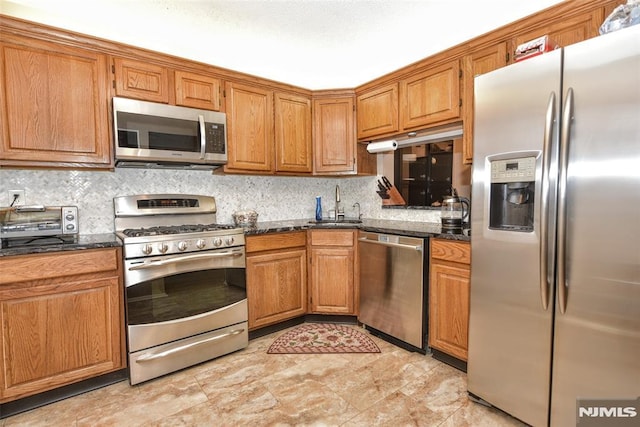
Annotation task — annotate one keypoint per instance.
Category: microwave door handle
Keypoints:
(203, 136)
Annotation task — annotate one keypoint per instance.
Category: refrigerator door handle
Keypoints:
(546, 268)
(565, 137)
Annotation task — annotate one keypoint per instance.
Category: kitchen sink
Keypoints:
(334, 223)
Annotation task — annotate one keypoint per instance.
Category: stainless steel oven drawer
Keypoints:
(151, 363)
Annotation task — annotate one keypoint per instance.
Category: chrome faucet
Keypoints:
(339, 211)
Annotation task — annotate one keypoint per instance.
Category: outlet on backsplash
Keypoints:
(16, 198)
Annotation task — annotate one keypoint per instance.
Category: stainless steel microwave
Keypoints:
(149, 134)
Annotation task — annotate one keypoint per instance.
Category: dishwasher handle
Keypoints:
(391, 244)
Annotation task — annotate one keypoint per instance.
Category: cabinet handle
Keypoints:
(393, 245)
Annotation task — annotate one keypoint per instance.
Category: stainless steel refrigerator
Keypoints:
(555, 275)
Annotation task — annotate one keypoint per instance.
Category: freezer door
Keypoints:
(510, 330)
(597, 332)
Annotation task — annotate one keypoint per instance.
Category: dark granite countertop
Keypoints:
(405, 228)
(85, 241)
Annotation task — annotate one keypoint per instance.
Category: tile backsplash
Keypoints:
(274, 198)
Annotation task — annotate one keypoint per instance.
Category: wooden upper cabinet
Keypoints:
(54, 105)
(334, 138)
(141, 80)
(566, 31)
(197, 91)
(477, 63)
(377, 111)
(430, 97)
(250, 128)
(293, 133)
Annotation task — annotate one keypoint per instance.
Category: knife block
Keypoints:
(395, 198)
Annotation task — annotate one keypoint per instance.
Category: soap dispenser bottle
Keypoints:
(318, 208)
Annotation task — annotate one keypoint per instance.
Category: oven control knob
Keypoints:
(200, 244)
(217, 241)
(182, 246)
(229, 241)
(146, 249)
(163, 247)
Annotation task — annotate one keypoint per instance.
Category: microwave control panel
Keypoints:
(513, 170)
(215, 137)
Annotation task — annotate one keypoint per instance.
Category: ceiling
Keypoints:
(315, 44)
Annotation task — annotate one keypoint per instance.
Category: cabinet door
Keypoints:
(250, 128)
(477, 63)
(141, 80)
(59, 335)
(334, 137)
(197, 91)
(293, 133)
(377, 111)
(449, 308)
(332, 271)
(276, 286)
(54, 105)
(430, 97)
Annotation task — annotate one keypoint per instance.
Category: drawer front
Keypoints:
(447, 250)
(46, 266)
(272, 241)
(332, 237)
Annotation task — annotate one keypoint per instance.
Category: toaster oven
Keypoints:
(35, 224)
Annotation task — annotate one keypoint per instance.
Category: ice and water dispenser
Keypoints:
(512, 198)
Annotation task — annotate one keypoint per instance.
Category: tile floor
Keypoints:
(250, 387)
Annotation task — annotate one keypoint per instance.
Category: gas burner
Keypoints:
(175, 229)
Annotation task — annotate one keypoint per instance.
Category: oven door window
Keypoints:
(184, 295)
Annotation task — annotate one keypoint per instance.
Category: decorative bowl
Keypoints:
(245, 218)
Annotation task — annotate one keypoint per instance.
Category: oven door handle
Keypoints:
(195, 257)
(150, 357)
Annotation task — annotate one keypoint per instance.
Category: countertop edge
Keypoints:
(404, 228)
(84, 241)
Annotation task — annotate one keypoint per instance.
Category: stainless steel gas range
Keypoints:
(184, 274)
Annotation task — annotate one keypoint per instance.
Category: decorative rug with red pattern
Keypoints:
(310, 338)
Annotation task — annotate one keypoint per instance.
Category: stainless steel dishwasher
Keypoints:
(393, 288)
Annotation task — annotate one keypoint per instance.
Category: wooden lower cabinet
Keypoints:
(276, 277)
(449, 287)
(332, 255)
(62, 319)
